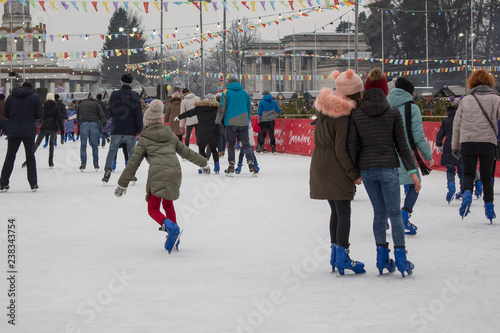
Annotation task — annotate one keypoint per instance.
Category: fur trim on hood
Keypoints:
(333, 104)
(207, 102)
(175, 99)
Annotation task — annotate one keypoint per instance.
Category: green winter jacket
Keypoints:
(397, 98)
(159, 145)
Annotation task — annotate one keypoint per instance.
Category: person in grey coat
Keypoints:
(475, 138)
(88, 115)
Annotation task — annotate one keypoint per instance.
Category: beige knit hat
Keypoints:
(347, 83)
(154, 113)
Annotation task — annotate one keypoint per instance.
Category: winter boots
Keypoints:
(489, 211)
(383, 260)
(173, 234)
(451, 191)
(478, 189)
(466, 202)
(410, 228)
(333, 256)
(403, 265)
(342, 261)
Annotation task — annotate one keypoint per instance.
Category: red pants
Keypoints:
(154, 209)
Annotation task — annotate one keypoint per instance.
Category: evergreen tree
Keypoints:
(113, 67)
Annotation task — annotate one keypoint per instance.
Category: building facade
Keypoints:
(22, 50)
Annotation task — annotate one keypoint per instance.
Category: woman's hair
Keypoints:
(481, 77)
(176, 95)
(357, 98)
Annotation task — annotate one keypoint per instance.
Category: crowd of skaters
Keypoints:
(365, 133)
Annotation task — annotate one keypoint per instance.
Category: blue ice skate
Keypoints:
(466, 202)
(451, 191)
(344, 262)
(490, 211)
(173, 234)
(238, 168)
(478, 189)
(410, 228)
(216, 167)
(383, 260)
(333, 256)
(256, 165)
(403, 265)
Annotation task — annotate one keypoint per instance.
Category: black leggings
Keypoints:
(212, 149)
(340, 222)
(189, 129)
(471, 153)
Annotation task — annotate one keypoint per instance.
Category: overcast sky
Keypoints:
(184, 17)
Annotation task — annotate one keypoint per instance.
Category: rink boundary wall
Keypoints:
(296, 136)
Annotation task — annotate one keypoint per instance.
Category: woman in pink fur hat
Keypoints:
(332, 174)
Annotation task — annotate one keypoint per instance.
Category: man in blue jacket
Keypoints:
(126, 110)
(267, 119)
(23, 108)
(235, 105)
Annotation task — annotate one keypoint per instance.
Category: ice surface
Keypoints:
(254, 256)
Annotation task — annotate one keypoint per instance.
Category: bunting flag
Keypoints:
(42, 4)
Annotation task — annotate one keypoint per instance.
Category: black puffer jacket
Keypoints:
(377, 135)
(207, 131)
(445, 131)
(22, 108)
(51, 116)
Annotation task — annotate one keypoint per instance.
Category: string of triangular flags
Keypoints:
(147, 73)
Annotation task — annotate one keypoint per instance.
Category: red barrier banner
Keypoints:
(295, 136)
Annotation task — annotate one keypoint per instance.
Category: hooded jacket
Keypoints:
(332, 172)
(236, 105)
(69, 125)
(470, 124)
(377, 135)
(187, 104)
(52, 120)
(267, 109)
(207, 132)
(445, 132)
(173, 110)
(23, 107)
(159, 145)
(398, 98)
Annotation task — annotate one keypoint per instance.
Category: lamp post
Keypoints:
(128, 34)
(201, 47)
(466, 36)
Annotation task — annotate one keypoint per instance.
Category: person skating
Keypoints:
(251, 139)
(22, 108)
(159, 145)
(188, 101)
(443, 144)
(51, 123)
(207, 131)
(401, 97)
(266, 117)
(474, 138)
(88, 115)
(376, 138)
(125, 108)
(173, 110)
(332, 175)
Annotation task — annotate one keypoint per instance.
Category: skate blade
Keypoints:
(255, 174)
(177, 242)
(229, 174)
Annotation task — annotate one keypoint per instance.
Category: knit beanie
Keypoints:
(50, 97)
(376, 79)
(154, 113)
(348, 82)
(126, 79)
(405, 84)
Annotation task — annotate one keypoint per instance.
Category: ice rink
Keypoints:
(254, 256)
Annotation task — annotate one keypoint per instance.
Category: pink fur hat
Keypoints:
(348, 82)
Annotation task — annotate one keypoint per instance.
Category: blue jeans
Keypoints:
(242, 132)
(411, 198)
(88, 130)
(450, 173)
(115, 144)
(382, 186)
(222, 144)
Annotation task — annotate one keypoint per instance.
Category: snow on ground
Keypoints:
(254, 257)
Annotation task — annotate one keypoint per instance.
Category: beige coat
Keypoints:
(470, 125)
(173, 110)
(187, 104)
